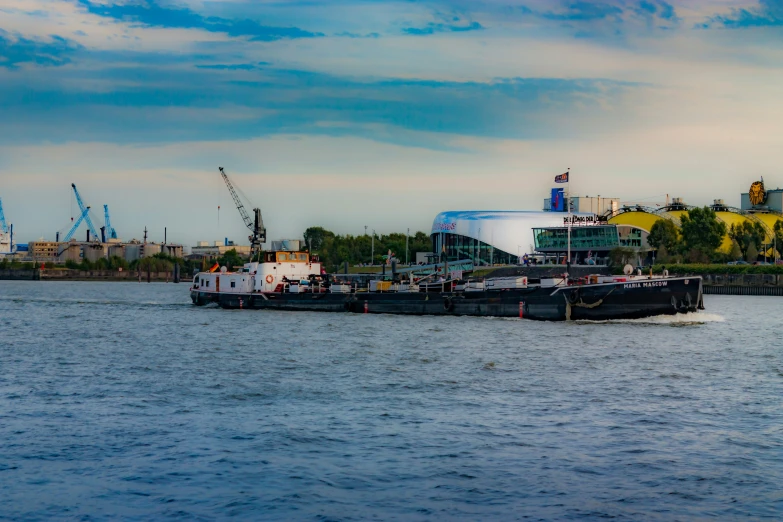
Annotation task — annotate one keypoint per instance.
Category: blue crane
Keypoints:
(85, 215)
(3, 224)
(76, 223)
(107, 223)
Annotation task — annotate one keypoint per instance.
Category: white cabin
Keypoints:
(279, 272)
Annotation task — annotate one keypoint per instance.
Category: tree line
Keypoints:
(701, 235)
(334, 249)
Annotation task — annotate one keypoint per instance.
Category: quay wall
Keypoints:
(19, 275)
(90, 275)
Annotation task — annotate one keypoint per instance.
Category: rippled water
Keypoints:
(121, 400)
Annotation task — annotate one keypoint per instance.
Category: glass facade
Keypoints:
(460, 248)
(597, 238)
(632, 237)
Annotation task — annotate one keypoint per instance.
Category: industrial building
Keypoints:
(53, 252)
(205, 250)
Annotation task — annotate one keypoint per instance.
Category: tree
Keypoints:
(702, 232)
(662, 255)
(620, 256)
(778, 230)
(664, 234)
(333, 250)
(154, 264)
(231, 259)
(747, 233)
(314, 237)
(735, 253)
(753, 254)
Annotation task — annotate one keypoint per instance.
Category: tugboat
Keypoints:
(295, 281)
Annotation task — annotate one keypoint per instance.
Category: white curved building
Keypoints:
(491, 236)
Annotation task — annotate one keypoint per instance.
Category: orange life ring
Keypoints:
(269, 279)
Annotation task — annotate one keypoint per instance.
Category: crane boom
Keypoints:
(112, 234)
(3, 224)
(255, 225)
(76, 224)
(85, 214)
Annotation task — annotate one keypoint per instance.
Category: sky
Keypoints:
(349, 114)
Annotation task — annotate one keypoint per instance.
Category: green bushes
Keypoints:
(708, 269)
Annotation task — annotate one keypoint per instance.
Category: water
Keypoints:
(121, 400)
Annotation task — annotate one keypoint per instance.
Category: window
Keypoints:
(233, 284)
(207, 283)
(201, 282)
(303, 257)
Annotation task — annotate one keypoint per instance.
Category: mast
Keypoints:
(568, 188)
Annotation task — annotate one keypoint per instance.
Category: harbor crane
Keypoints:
(107, 229)
(3, 224)
(78, 222)
(84, 217)
(256, 225)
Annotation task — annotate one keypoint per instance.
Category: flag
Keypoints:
(557, 200)
(214, 267)
(562, 178)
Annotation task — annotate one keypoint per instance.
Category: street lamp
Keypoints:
(372, 249)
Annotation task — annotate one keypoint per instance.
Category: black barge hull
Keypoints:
(622, 300)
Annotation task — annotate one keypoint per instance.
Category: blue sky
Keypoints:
(353, 113)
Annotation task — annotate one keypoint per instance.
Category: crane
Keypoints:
(3, 224)
(256, 225)
(84, 217)
(76, 224)
(112, 234)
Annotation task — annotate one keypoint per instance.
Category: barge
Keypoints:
(295, 281)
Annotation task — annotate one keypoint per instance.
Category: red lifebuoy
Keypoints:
(269, 279)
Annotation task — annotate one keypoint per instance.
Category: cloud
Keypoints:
(234, 66)
(151, 14)
(57, 51)
(602, 19)
(769, 13)
(348, 34)
(168, 103)
(657, 9)
(584, 11)
(432, 28)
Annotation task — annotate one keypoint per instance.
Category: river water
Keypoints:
(122, 400)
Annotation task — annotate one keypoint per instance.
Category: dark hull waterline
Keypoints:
(607, 301)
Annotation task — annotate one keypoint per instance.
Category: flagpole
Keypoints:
(568, 188)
